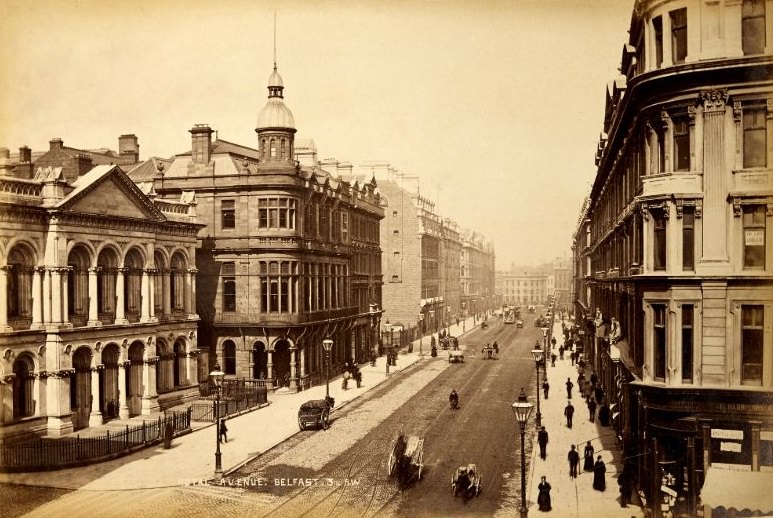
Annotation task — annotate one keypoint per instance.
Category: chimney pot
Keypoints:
(25, 154)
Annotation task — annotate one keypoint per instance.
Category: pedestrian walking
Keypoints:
(561, 352)
(593, 379)
(572, 356)
(542, 440)
(591, 409)
(553, 342)
(581, 363)
(581, 382)
(569, 386)
(574, 459)
(545, 388)
(553, 359)
(223, 431)
(599, 479)
(588, 457)
(543, 499)
(569, 412)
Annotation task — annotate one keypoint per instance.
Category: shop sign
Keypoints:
(766, 436)
(719, 433)
(754, 237)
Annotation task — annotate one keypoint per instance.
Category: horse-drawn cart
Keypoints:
(489, 353)
(406, 460)
(315, 412)
(455, 356)
(466, 481)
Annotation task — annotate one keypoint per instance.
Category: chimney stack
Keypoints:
(83, 163)
(201, 143)
(55, 143)
(129, 147)
(24, 167)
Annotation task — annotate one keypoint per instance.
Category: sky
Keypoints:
(495, 105)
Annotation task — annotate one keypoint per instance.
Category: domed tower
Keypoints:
(276, 126)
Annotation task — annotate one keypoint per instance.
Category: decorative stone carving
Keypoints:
(679, 208)
(737, 110)
(9, 354)
(713, 100)
(769, 207)
(698, 209)
(736, 206)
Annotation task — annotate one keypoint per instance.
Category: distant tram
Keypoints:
(510, 315)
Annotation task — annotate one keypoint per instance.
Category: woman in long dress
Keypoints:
(544, 495)
(599, 480)
(588, 456)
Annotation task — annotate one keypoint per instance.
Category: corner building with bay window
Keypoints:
(289, 254)
(673, 255)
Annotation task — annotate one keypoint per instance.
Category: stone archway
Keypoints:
(80, 388)
(23, 387)
(108, 383)
(259, 360)
(134, 380)
(281, 362)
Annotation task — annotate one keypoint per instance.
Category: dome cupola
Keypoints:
(275, 114)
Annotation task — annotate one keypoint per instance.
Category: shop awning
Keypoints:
(738, 489)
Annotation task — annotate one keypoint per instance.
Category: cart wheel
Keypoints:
(454, 487)
(421, 463)
(391, 464)
(325, 421)
(300, 424)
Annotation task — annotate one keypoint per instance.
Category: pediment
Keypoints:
(111, 193)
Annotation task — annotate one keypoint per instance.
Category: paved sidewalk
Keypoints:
(574, 497)
(192, 456)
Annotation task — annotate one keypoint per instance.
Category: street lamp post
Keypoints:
(421, 332)
(522, 409)
(327, 344)
(537, 355)
(217, 376)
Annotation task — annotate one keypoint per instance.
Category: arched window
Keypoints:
(20, 271)
(78, 285)
(177, 284)
(229, 357)
(23, 388)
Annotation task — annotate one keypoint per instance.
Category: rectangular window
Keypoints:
(657, 27)
(687, 342)
(279, 213)
(754, 236)
(688, 238)
(754, 136)
(751, 344)
(227, 214)
(679, 35)
(753, 26)
(659, 242)
(681, 144)
(229, 293)
(659, 340)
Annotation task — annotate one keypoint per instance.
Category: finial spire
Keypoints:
(274, 39)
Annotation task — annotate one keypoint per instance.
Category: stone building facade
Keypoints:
(289, 254)
(673, 253)
(97, 283)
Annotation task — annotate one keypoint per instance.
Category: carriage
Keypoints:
(406, 460)
(466, 480)
(315, 412)
(488, 353)
(455, 356)
(484, 325)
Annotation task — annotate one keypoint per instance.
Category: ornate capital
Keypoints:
(713, 100)
(665, 119)
(769, 207)
(737, 110)
(679, 208)
(152, 360)
(645, 212)
(698, 209)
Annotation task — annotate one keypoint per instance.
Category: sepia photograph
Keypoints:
(326, 259)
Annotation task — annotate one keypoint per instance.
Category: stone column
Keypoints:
(65, 297)
(152, 294)
(120, 296)
(123, 407)
(303, 362)
(692, 494)
(4, 327)
(755, 438)
(56, 296)
(145, 289)
(187, 292)
(95, 418)
(192, 311)
(293, 370)
(46, 296)
(6, 388)
(714, 179)
(166, 292)
(269, 363)
(93, 307)
(37, 299)
(193, 371)
(149, 395)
